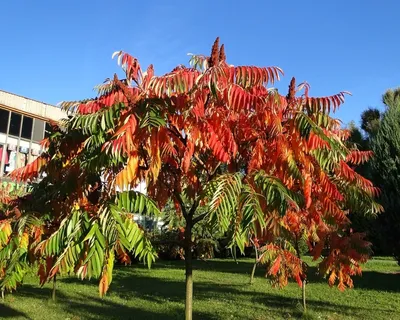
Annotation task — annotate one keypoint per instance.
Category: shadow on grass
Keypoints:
(128, 284)
(380, 281)
(219, 265)
(155, 289)
(107, 309)
(90, 307)
(370, 280)
(8, 312)
(29, 291)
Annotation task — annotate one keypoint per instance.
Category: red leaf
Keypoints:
(187, 156)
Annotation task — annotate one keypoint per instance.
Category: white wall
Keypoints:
(35, 108)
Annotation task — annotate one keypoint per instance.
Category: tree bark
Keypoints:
(303, 287)
(53, 293)
(252, 272)
(189, 270)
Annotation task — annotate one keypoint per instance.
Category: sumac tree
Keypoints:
(223, 147)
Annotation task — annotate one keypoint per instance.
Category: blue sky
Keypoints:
(59, 50)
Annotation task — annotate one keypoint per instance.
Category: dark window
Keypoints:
(48, 130)
(4, 115)
(38, 130)
(15, 124)
(27, 124)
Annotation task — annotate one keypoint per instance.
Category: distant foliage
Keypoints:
(382, 135)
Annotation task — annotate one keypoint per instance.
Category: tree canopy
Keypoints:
(215, 140)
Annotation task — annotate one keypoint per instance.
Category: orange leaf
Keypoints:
(30, 171)
(103, 285)
(275, 267)
(53, 272)
(307, 189)
(332, 278)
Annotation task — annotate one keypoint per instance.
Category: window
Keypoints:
(4, 116)
(22, 157)
(10, 161)
(48, 130)
(15, 124)
(38, 130)
(24, 134)
(26, 131)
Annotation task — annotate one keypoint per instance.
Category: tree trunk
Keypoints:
(2, 293)
(254, 267)
(303, 289)
(304, 296)
(252, 272)
(53, 293)
(189, 271)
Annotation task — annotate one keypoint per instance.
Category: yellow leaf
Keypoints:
(66, 163)
(155, 165)
(129, 173)
(24, 241)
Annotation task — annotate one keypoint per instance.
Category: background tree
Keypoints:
(361, 138)
(224, 148)
(370, 121)
(386, 165)
(381, 134)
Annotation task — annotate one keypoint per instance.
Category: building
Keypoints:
(23, 124)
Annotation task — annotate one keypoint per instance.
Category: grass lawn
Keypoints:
(221, 292)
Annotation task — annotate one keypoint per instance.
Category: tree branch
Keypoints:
(214, 172)
(199, 218)
(193, 208)
(183, 140)
(129, 96)
(143, 154)
(181, 203)
(176, 134)
(201, 163)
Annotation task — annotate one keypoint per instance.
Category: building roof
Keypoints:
(30, 107)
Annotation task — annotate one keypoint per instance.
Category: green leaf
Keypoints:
(100, 238)
(136, 202)
(94, 228)
(103, 121)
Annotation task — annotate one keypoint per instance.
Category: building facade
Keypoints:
(23, 124)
